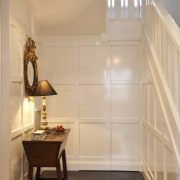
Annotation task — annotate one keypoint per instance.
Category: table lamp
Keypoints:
(44, 89)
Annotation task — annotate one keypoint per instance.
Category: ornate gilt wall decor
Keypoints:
(30, 67)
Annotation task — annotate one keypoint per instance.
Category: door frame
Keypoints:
(4, 91)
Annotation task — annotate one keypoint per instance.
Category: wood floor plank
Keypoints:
(98, 175)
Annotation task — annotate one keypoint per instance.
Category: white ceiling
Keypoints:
(71, 17)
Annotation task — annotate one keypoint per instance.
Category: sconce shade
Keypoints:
(44, 88)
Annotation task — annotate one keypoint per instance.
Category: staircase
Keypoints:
(149, 21)
(161, 123)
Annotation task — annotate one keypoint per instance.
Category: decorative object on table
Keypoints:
(38, 135)
(44, 89)
(60, 128)
(30, 67)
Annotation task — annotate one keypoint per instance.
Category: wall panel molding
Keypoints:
(21, 109)
(103, 83)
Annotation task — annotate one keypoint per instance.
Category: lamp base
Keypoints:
(44, 124)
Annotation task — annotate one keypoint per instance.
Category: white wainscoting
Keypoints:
(99, 98)
(21, 108)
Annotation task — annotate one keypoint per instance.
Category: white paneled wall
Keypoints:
(99, 98)
(21, 109)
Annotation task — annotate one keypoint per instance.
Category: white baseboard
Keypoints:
(104, 165)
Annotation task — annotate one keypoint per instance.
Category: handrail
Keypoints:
(170, 24)
(164, 35)
(162, 42)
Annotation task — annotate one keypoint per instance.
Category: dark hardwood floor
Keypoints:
(99, 175)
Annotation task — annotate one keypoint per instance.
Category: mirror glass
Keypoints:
(30, 73)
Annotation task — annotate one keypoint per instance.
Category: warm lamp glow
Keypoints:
(44, 89)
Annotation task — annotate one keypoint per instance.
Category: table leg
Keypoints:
(30, 173)
(64, 164)
(38, 173)
(58, 171)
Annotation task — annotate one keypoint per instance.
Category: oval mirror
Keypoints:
(30, 67)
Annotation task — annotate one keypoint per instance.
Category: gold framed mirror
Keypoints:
(30, 67)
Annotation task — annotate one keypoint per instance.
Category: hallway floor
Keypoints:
(99, 175)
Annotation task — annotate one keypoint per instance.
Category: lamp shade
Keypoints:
(44, 88)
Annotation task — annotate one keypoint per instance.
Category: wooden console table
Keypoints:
(47, 153)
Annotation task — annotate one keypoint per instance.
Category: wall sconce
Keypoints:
(44, 89)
